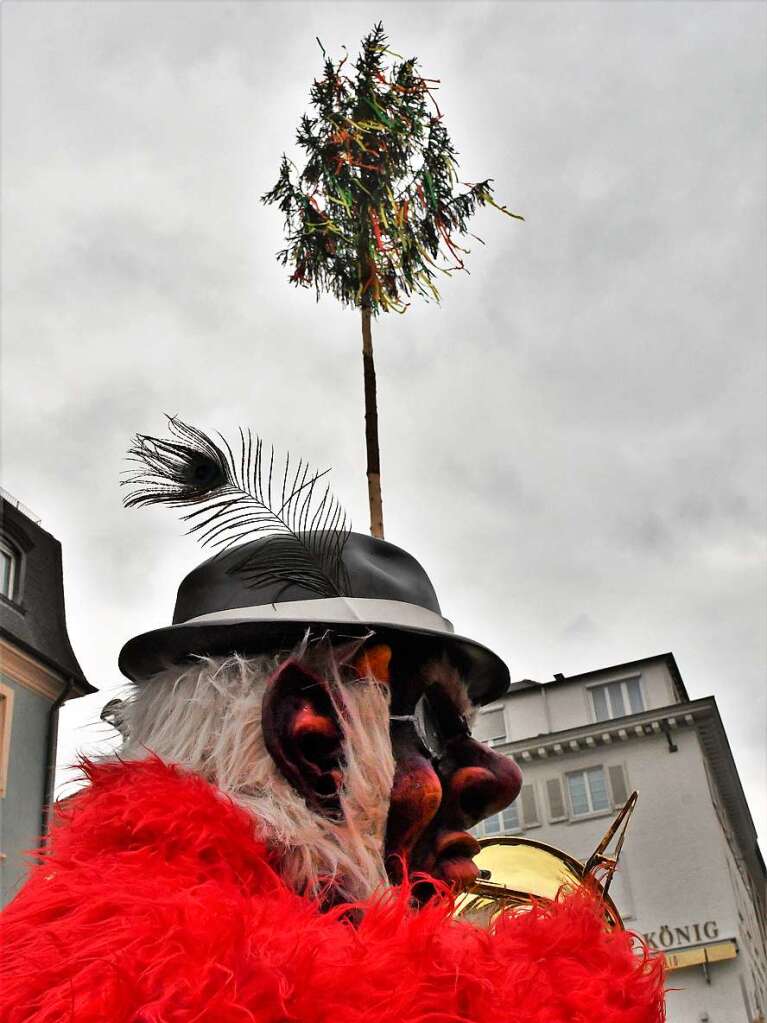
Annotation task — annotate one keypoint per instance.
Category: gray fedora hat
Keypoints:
(386, 591)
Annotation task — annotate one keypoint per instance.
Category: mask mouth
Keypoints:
(454, 863)
(459, 873)
(457, 845)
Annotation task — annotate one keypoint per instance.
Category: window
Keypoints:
(490, 727)
(587, 791)
(515, 818)
(9, 560)
(617, 699)
(504, 823)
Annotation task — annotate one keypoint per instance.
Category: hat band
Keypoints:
(333, 610)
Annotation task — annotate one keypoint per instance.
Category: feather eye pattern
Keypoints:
(246, 495)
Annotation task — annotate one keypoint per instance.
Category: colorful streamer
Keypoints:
(374, 214)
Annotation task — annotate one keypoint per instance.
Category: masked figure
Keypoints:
(284, 830)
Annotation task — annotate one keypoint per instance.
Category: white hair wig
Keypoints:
(206, 718)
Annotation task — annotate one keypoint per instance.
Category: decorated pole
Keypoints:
(371, 426)
(374, 215)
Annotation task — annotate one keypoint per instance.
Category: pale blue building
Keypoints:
(38, 673)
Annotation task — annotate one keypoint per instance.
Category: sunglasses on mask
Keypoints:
(436, 722)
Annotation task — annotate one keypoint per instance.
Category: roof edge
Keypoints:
(667, 657)
(81, 684)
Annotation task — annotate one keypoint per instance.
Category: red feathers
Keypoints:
(158, 905)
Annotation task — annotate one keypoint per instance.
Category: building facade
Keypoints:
(38, 672)
(691, 878)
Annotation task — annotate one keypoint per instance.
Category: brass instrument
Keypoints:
(517, 871)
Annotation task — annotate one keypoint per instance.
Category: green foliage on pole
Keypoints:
(376, 213)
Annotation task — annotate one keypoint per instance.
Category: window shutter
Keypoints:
(6, 711)
(635, 695)
(618, 785)
(529, 808)
(490, 727)
(556, 799)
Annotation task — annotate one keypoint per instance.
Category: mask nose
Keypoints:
(484, 783)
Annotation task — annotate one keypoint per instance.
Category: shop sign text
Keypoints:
(690, 934)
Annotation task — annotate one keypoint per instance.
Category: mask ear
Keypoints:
(303, 736)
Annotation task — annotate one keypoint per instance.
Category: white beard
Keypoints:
(207, 719)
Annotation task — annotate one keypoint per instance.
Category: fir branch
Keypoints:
(376, 206)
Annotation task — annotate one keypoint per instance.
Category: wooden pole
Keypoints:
(371, 428)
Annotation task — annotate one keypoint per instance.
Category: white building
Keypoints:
(692, 879)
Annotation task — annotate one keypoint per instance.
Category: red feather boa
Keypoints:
(156, 904)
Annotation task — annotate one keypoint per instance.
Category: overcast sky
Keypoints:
(572, 443)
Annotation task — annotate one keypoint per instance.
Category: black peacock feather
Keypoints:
(242, 497)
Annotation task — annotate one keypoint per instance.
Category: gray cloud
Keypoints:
(573, 442)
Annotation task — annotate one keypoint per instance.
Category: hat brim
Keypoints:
(485, 674)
